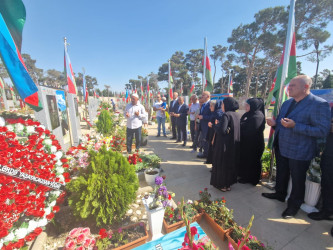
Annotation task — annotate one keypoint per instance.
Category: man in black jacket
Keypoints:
(172, 110)
(181, 115)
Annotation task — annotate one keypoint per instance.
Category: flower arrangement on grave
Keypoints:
(110, 239)
(144, 132)
(136, 161)
(106, 189)
(80, 238)
(244, 240)
(161, 195)
(216, 209)
(314, 171)
(173, 215)
(32, 169)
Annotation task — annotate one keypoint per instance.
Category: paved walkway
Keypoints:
(187, 175)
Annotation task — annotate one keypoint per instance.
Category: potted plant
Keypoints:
(312, 185)
(155, 205)
(172, 217)
(217, 215)
(144, 137)
(150, 175)
(125, 238)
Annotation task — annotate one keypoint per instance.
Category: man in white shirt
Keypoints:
(192, 110)
(134, 113)
(160, 115)
(172, 110)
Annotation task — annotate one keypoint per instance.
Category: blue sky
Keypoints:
(118, 40)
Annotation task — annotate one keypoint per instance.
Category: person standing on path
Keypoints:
(172, 110)
(301, 121)
(226, 146)
(134, 114)
(160, 108)
(192, 110)
(252, 144)
(181, 115)
(197, 137)
(204, 117)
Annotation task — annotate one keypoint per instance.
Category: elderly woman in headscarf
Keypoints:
(216, 115)
(226, 146)
(252, 141)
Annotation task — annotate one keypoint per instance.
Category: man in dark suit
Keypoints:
(204, 116)
(172, 110)
(181, 115)
(301, 121)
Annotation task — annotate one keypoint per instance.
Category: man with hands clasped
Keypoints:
(302, 120)
(134, 114)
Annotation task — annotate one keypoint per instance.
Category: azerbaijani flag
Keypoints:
(230, 85)
(208, 76)
(126, 96)
(141, 92)
(192, 88)
(69, 73)
(16, 68)
(148, 91)
(274, 92)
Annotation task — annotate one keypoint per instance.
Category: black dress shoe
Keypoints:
(274, 196)
(177, 141)
(184, 145)
(321, 215)
(289, 213)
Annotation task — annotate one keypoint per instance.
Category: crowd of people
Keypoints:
(234, 144)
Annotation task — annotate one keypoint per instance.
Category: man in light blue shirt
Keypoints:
(192, 110)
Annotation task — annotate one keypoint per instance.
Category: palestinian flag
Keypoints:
(274, 92)
(69, 73)
(208, 75)
(16, 68)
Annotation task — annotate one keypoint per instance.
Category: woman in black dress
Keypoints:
(226, 147)
(252, 141)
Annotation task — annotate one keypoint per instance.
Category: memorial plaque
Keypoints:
(64, 121)
(53, 111)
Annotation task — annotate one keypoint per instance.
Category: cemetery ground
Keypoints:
(186, 175)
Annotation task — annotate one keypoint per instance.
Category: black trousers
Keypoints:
(326, 166)
(174, 127)
(192, 125)
(286, 167)
(182, 133)
(130, 133)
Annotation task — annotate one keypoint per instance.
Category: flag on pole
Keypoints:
(126, 96)
(230, 88)
(192, 87)
(95, 94)
(2, 85)
(207, 72)
(69, 72)
(16, 68)
(148, 92)
(286, 70)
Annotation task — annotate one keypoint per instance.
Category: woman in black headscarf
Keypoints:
(226, 146)
(252, 141)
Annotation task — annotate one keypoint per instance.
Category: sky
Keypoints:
(115, 41)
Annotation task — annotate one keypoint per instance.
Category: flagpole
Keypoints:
(204, 69)
(288, 43)
(169, 98)
(291, 23)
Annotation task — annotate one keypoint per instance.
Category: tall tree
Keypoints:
(35, 73)
(218, 54)
(193, 62)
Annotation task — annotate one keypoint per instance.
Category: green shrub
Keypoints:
(106, 190)
(266, 160)
(105, 123)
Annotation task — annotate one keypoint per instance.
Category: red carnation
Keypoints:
(50, 216)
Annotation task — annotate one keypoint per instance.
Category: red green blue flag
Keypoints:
(16, 68)
(208, 76)
(192, 88)
(69, 73)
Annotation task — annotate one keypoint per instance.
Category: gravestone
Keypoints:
(49, 115)
(74, 118)
(92, 108)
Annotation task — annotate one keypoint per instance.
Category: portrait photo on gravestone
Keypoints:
(53, 111)
(8, 94)
(61, 101)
